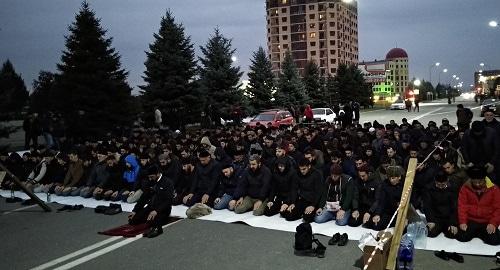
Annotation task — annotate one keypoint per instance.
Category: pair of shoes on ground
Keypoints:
(449, 255)
(70, 207)
(112, 209)
(153, 232)
(339, 239)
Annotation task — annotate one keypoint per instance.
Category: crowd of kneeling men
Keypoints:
(318, 173)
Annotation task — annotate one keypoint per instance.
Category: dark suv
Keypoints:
(492, 104)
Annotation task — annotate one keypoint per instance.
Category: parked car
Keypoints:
(323, 115)
(277, 118)
(492, 104)
(398, 105)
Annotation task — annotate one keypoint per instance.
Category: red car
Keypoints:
(277, 118)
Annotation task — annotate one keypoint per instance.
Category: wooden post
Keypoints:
(401, 219)
(27, 191)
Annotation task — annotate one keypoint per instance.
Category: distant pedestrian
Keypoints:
(355, 109)
(417, 104)
(408, 105)
(308, 114)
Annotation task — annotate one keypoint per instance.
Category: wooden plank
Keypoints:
(401, 219)
(27, 191)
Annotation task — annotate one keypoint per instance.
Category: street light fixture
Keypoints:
(493, 24)
(439, 77)
(417, 82)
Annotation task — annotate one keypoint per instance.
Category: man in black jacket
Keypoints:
(388, 198)
(281, 187)
(365, 201)
(205, 182)
(309, 186)
(440, 207)
(228, 182)
(155, 204)
(253, 189)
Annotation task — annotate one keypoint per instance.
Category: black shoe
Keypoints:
(100, 209)
(153, 232)
(64, 208)
(497, 256)
(77, 207)
(113, 210)
(334, 240)
(456, 257)
(442, 255)
(343, 240)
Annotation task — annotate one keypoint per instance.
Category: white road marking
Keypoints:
(104, 251)
(20, 209)
(424, 115)
(76, 253)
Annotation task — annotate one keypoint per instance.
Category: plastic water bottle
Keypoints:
(406, 252)
(48, 197)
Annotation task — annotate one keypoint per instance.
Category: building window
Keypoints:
(285, 37)
(312, 16)
(312, 25)
(312, 35)
(332, 42)
(311, 7)
(332, 33)
(284, 19)
(332, 15)
(284, 1)
(313, 53)
(284, 28)
(333, 70)
(283, 10)
(313, 44)
(332, 52)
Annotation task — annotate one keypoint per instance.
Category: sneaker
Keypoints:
(442, 255)
(334, 240)
(343, 240)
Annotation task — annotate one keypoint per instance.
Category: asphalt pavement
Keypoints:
(33, 239)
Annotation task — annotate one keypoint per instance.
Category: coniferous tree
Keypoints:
(13, 97)
(290, 90)
(312, 84)
(40, 98)
(351, 85)
(260, 89)
(170, 69)
(13, 93)
(219, 79)
(331, 95)
(91, 89)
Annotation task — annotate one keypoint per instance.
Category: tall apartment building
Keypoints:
(324, 31)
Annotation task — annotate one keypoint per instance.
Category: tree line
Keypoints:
(90, 91)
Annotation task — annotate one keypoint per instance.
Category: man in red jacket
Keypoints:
(479, 208)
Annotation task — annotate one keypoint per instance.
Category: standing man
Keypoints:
(464, 117)
(155, 204)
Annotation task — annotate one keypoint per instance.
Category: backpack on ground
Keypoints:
(304, 240)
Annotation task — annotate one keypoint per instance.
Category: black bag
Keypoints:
(303, 237)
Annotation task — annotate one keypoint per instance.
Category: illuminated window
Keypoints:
(313, 34)
(312, 25)
(284, 1)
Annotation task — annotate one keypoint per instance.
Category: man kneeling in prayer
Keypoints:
(155, 204)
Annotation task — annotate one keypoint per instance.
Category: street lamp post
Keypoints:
(430, 70)
(439, 77)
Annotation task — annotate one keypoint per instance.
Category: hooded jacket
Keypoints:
(130, 175)
(480, 149)
(282, 186)
(484, 209)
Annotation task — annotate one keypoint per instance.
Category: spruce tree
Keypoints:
(91, 89)
(312, 84)
(170, 68)
(13, 97)
(261, 77)
(219, 79)
(351, 85)
(13, 93)
(290, 90)
(40, 98)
